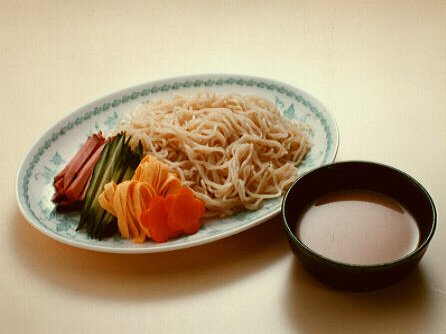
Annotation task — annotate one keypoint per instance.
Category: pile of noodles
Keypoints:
(233, 151)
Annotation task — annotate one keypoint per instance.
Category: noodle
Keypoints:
(232, 151)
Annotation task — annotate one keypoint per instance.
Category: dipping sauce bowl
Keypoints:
(356, 249)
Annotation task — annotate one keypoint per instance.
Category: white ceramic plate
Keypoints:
(49, 154)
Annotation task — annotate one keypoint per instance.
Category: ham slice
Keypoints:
(72, 182)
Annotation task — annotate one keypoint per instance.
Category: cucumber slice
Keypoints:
(117, 163)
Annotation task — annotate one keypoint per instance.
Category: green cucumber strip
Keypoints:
(117, 163)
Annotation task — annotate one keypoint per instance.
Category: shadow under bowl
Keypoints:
(358, 176)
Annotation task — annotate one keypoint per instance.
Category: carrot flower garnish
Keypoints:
(152, 204)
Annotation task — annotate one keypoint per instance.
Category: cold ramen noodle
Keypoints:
(171, 162)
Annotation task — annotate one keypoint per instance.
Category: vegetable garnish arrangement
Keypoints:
(118, 191)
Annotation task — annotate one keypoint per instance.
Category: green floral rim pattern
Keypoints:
(165, 86)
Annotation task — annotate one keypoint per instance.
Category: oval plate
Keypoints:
(50, 153)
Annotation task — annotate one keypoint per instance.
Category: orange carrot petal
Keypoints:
(185, 211)
(154, 219)
(172, 185)
(174, 224)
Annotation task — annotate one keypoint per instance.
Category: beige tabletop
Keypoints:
(379, 66)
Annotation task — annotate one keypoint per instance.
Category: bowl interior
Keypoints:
(358, 175)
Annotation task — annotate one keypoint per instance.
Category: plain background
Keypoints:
(379, 67)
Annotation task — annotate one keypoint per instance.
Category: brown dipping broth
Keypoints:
(358, 227)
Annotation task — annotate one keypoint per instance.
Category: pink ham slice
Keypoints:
(72, 182)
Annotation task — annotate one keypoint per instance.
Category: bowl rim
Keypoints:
(339, 164)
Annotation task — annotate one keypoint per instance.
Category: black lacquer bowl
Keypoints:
(358, 175)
